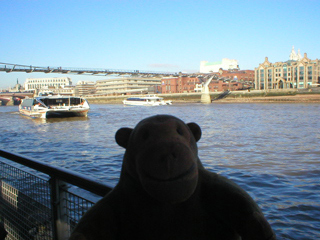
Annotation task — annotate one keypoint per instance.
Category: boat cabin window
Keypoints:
(27, 103)
(61, 101)
(136, 99)
(55, 101)
(75, 101)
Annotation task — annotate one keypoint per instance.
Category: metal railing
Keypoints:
(37, 201)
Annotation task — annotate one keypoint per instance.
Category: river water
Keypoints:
(271, 150)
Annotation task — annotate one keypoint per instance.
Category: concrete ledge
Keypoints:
(236, 96)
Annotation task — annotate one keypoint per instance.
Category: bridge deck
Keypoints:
(9, 67)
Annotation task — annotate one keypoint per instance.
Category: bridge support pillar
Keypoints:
(205, 96)
(10, 102)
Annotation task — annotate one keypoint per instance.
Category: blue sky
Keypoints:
(154, 35)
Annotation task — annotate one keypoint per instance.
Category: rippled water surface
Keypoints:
(271, 150)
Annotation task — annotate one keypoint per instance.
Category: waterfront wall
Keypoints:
(196, 97)
(177, 97)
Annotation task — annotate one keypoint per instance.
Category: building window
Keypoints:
(301, 70)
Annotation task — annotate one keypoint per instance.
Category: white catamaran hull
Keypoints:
(137, 103)
(149, 100)
(51, 113)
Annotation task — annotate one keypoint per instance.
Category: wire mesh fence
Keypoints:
(28, 209)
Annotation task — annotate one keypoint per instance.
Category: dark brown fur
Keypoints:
(165, 193)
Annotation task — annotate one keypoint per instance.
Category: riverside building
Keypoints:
(127, 86)
(184, 84)
(237, 75)
(43, 83)
(84, 88)
(296, 73)
(57, 85)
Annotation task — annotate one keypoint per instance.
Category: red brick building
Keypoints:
(194, 84)
(179, 84)
(238, 75)
(223, 85)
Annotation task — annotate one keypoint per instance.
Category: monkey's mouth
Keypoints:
(171, 188)
(183, 176)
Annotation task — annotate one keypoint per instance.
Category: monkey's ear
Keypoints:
(196, 130)
(122, 136)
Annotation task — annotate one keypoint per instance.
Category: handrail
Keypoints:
(63, 174)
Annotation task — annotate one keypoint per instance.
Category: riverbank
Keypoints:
(236, 97)
(299, 98)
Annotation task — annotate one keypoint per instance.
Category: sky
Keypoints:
(154, 35)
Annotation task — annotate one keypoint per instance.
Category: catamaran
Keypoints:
(47, 105)
(148, 100)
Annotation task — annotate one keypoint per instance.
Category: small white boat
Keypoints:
(48, 105)
(148, 100)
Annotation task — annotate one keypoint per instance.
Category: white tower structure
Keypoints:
(205, 95)
(226, 64)
(294, 56)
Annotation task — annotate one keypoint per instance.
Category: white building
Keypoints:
(45, 83)
(296, 73)
(226, 64)
(119, 86)
(84, 88)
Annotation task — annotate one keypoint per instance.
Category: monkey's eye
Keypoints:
(179, 131)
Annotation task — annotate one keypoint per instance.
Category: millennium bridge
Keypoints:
(15, 97)
(10, 67)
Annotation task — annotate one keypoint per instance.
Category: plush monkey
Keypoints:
(164, 192)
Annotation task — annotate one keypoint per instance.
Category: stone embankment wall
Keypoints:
(305, 95)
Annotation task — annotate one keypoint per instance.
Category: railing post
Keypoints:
(61, 227)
